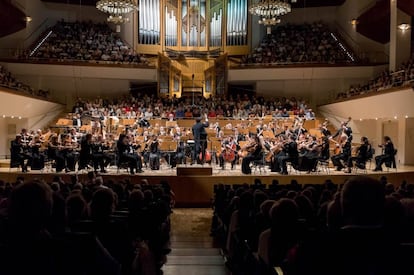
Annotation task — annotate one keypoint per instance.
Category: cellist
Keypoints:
(228, 152)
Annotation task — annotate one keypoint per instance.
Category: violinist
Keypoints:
(228, 152)
(154, 153)
(388, 154)
(126, 153)
(344, 154)
(100, 156)
(276, 151)
(255, 153)
(67, 150)
(309, 154)
(85, 155)
(291, 154)
(363, 154)
(18, 154)
(38, 158)
(25, 137)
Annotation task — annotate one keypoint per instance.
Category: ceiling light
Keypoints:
(404, 27)
(117, 9)
(354, 22)
(269, 11)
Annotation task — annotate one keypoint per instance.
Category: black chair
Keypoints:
(14, 161)
(260, 164)
(391, 163)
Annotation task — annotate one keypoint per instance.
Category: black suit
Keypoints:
(200, 140)
(292, 155)
(362, 156)
(387, 156)
(127, 154)
(18, 155)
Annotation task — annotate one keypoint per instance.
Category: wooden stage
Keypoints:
(195, 190)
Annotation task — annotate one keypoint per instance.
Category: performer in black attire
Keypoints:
(228, 152)
(38, 158)
(18, 153)
(154, 154)
(363, 154)
(67, 153)
(291, 154)
(200, 140)
(127, 153)
(85, 155)
(255, 153)
(309, 154)
(324, 149)
(177, 157)
(100, 158)
(388, 154)
(344, 154)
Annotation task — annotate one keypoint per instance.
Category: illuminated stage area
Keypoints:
(197, 190)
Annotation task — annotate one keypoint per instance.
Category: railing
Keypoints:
(371, 56)
(36, 33)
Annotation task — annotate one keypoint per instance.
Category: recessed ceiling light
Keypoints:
(404, 26)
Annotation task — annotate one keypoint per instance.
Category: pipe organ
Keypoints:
(192, 39)
(193, 25)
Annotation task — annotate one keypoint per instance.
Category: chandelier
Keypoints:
(117, 9)
(269, 11)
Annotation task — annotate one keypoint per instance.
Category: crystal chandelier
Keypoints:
(269, 11)
(117, 9)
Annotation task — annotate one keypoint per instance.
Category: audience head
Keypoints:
(362, 202)
(102, 204)
(30, 206)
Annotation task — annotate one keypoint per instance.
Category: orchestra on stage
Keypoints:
(280, 145)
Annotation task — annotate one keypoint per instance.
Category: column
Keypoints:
(400, 40)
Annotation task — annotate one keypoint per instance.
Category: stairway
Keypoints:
(194, 252)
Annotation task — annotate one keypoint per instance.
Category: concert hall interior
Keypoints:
(204, 130)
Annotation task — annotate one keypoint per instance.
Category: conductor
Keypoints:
(200, 139)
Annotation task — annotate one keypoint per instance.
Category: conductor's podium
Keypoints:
(196, 170)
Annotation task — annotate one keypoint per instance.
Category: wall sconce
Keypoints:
(354, 22)
(404, 27)
(28, 19)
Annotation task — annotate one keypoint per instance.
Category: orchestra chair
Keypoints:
(368, 161)
(323, 166)
(121, 164)
(260, 164)
(391, 163)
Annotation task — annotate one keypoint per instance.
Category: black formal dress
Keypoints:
(85, 155)
(256, 154)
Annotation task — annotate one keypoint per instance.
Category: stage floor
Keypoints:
(197, 190)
